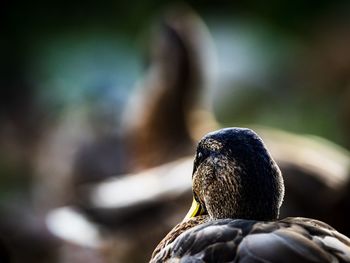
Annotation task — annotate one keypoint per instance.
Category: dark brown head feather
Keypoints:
(234, 176)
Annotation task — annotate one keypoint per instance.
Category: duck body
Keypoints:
(238, 190)
(293, 239)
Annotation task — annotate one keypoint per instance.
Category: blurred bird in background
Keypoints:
(120, 170)
(300, 157)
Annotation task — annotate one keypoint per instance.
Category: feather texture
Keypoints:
(240, 189)
(239, 240)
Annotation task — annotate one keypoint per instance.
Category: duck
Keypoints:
(169, 90)
(159, 158)
(238, 190)
(180, 69)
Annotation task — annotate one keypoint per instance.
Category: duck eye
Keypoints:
(195, 197)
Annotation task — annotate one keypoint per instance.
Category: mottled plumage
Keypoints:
(239, 189)
(228, 152)
(239, 240)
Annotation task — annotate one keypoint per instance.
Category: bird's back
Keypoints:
(237, 240)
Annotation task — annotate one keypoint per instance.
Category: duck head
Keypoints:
(234, 176)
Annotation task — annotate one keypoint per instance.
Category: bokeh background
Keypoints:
(69, 70)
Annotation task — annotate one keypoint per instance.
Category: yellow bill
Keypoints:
(195, 210)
